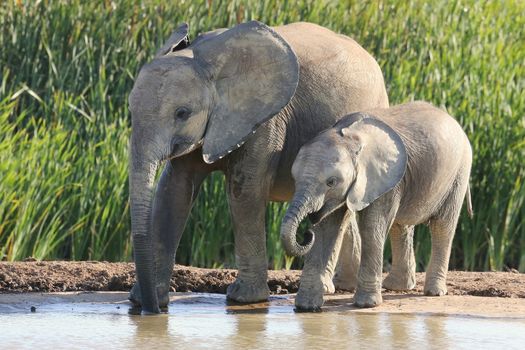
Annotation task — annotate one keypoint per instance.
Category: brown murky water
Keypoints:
(206, 321)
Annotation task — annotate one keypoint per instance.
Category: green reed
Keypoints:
(67, 66)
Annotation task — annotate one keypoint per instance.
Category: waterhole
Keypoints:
(207, 321)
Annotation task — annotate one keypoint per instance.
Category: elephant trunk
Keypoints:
(141, 180)
(295, 214)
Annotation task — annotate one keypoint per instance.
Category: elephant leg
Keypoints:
(436, 274)
(442, 228)
(345, 277)
(374, 223)
(248, 215)
(319, 264)
(402, 276)
(177, 188)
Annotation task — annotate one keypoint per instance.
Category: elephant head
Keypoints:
(213, 93)
(355, 162)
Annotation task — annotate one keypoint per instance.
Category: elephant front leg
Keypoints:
(345, 277)
(319, 264)
(402, 276)
(248, 218)
(177, 188)
(374, 224)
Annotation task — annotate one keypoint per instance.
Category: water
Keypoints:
(206, 321)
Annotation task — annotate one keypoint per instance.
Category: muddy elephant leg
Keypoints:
(320, 262)
(177, 188)
(345, 277)
(402, 276)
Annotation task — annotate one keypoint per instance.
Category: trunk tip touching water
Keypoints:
(144, 268)
(143, 167)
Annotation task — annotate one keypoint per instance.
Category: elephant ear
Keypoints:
(207, 35)
(178, 40)
(381, 161)
(254, 73)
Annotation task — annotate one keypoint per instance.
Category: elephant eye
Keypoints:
(182, 113)
(331, 182)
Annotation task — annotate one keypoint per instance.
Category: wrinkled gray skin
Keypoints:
(395, 167)
(267, 90)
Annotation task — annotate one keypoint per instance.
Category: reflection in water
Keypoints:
(250, 330)
(403, 330)
(198, 321)
(368, 329)
(150, 330)
(436, 334)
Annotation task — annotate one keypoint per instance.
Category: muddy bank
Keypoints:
(61, 276)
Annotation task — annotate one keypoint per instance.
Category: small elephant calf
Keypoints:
(397, 167)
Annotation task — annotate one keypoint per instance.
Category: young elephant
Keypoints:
(397, 167)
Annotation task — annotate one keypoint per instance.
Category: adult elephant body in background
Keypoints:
(251, 96)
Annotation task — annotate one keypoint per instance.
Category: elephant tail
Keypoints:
(469, 202)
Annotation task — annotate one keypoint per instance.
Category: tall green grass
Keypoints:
(67, 66)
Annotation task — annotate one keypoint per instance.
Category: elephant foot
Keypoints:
(309, 301)
(328, 285)
(435, 288)
(245, 292)
(134, 295)
(367, 299)
(345, 284)
(403, 281)
(162, 294)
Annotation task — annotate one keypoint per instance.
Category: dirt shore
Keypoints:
(62, 276)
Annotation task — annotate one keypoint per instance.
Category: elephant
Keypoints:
(395, 168)
(241, 101)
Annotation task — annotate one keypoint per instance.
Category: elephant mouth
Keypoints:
(181, 147)
(315, 218)
(318, 216)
